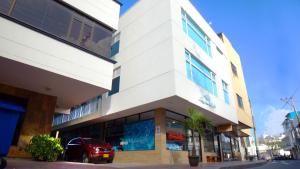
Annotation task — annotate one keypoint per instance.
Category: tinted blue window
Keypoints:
(115, 86)
(115, 48)
(188, 70)
(226, 93)
(194, 32)
(139, 136)
(200, 74)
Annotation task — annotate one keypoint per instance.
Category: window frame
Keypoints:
(234, 69)
(211, 76)
(226, 92)
(196, 28)
(240, 101)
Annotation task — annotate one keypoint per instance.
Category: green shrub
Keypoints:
(44, 148)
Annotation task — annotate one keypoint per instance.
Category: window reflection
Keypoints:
(60, 21)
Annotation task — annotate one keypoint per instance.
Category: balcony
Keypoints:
(36, 54)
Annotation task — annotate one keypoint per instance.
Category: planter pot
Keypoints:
(194, 161)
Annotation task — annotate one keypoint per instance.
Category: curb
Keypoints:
(243, 166)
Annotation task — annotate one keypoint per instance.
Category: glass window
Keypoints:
(131, 119)
(240, 101)
(86, 35)
(139, 136)
(147, 115)
(75, 30)
(5, 6)
(30, 11)
(209, 145)
(115, 86)
(200, 74)
(115, 48)
(57, 20)
(233, 68)
(175, 133)
(225, 91)
(226, 147)
(101, 41)
(175, 116)
(195, 32)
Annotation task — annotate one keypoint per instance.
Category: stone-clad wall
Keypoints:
(37, 119)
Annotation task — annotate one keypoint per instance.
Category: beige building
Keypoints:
(241, 101)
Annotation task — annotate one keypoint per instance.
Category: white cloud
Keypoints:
(273, 120)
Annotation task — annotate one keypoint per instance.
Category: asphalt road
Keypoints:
(289, 164)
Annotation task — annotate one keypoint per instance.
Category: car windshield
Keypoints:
(92, 141)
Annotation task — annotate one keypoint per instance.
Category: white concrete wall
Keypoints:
(32, 48)
(106, 11)
(145, 57)
(152, 59)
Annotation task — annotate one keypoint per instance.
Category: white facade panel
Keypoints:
(35, 49)
(106, 11)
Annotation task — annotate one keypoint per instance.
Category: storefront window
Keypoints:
(139, 136)
(226, 147)
(176, 137)
(235, 145)
(209, 142)
(132, 133)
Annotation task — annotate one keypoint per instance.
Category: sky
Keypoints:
(266, 34)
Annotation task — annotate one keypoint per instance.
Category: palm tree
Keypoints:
(196, 123)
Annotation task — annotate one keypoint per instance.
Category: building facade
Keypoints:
(241, 100)
(168, 59)
(54, 54)
(291, 142)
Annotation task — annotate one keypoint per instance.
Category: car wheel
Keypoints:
(109, 161)
(2, 163)
(85, 159)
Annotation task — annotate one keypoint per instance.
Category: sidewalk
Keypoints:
(14, 163)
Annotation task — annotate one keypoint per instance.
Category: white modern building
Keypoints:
(54, 55)
(168, 59)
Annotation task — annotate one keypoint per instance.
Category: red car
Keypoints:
(88, 150)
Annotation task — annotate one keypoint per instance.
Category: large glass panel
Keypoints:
(75, 30)
(200, 74)
(139, 136)
(30, 11)
(176, 138)
(226, 147)
(101, 41)
(195, 32)
(147, 115)
(57, 20)
(209, 142)
(5, 6)
(86, 36)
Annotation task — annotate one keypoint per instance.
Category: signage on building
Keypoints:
(206, 99)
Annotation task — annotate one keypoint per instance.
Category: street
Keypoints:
(288, 164)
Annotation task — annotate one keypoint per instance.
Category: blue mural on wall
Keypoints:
(139, 136)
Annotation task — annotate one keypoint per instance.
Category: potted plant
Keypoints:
(44, 148)
(196, 125)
